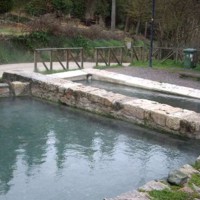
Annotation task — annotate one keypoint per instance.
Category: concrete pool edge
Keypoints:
(143, 112)
(113, 77)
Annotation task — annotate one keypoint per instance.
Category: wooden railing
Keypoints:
(109, 54)
(160, 53)
(53, 56)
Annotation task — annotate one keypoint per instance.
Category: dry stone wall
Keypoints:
(148, 113)
(4, 90)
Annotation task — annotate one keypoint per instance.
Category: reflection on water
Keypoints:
(176, 101)
(52, 152)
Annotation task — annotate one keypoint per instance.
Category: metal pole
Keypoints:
(152, 34)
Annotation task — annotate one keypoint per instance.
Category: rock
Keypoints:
(20, 88)
(187, 190)
(188, 170)
(4, 90)
(154, 185)
(177, 177)
(135, 195)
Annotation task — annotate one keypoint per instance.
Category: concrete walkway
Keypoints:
(29, 67)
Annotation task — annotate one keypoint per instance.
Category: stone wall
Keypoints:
(4, 90)
(14, 89)
(148, 113)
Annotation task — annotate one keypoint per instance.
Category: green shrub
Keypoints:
(78, 9)
(63, 6)
(36, 7)
(33, 40)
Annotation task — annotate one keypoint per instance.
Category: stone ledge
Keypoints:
(4, 90)
(112, 77)
(149, 113)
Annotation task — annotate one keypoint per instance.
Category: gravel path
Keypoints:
(157, 75)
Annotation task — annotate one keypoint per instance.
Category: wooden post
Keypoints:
(82, 58)
(176, 54)
(35, 61)
(51, 61)
(121, 56)
(96, 52)
(67, 60)
(109, 55)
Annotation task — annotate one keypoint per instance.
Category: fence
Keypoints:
(62, 55)
(109, 54)
(106, 55)
(159, 53)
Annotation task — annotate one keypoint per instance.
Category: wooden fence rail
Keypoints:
(109, 54)
(53, 55)
(160, 53)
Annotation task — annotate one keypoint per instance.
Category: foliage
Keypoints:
(169, 195)
(102, 8)
(5, 5)
(36, 7)
(196, 165)
(33, 40)
(63, 6)
(78, 8)
(19, 53)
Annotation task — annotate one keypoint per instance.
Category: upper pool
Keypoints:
(53, 152)
(175, 101)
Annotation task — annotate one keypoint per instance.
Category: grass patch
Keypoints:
(196, 165)
(168, 65)
(195, 179)
(170, 195)
(19, 49)
(159, 64)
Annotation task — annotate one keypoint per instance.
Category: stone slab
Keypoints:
(143, 83)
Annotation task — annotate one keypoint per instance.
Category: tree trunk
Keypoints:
(113, 15)
(126, 24)
(138, 27)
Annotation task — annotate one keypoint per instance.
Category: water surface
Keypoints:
(53, 152)
(176, 101)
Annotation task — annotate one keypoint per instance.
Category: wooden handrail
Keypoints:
(67, 51)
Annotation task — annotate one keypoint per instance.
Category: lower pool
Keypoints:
(53, 152)
(176, 101)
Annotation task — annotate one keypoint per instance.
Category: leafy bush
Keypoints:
(36, 7)
(63, 6)
(33, 40)
(78, 9)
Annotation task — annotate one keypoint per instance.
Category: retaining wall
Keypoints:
(4, 90)
(144, 112)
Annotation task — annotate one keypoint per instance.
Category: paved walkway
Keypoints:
(29, 67)
(147, 73)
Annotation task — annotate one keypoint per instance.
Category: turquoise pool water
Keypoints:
(53, 152)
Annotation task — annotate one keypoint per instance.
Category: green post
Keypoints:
(190, 58)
